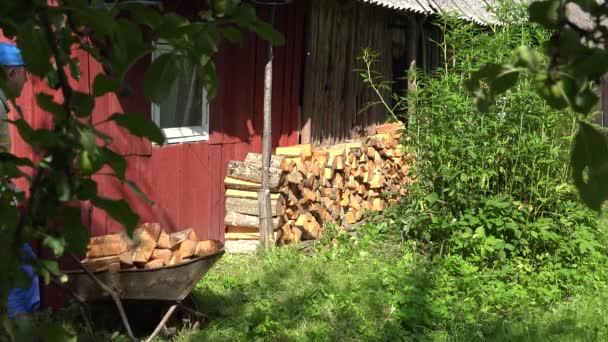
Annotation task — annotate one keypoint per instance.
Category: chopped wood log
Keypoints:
(253, 235)
(253, 173)
(379, 204)
(321, 157)
(239, 184)
(250, 206)
(296, 235)
(126, 259)
(157, 263)
(248, 194)
(187, 248)
(105, 250)
(176, 258)
(207, 247)
(178, 237)
(287, 165)
(295, 177)
(143, 251)
(153, 230)
(304, 151)
(97, 264)
(108, 239)
(164, 241)
(390, 127)
(256, 159)
(241, 220)
(163, 255)
(376, 182)
(338, 163)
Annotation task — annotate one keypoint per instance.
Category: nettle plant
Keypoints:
(492, 185)
(117, 34)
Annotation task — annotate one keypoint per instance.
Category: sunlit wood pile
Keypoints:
(149, 247)
(313, 186)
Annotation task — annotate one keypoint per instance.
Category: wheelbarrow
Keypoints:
(171, 284)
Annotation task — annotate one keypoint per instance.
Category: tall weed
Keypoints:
(493, 210)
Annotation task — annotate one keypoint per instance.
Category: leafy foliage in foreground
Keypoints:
(72, 152)
(568, 78)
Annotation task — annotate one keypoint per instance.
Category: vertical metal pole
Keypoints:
(264, 204)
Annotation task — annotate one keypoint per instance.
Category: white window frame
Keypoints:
(176, 135)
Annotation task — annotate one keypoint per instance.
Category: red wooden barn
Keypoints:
(317, 98)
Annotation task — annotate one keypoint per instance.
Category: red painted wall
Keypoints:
(186, 181)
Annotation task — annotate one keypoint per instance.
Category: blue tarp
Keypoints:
(21, 301)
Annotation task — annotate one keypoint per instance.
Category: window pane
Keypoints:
(183, 107)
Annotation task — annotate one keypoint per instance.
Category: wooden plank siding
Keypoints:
(334, 94)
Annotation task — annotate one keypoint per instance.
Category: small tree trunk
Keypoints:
(264, 204)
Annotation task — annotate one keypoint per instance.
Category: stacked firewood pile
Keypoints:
(310, 187)
(150, 247)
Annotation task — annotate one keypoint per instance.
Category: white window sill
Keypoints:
(184, 135)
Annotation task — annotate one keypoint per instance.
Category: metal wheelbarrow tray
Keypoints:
(169, 283)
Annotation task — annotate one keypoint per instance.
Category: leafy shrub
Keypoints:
(493, 209)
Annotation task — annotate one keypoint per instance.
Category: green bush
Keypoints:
(493, 217)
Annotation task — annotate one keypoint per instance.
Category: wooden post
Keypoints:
(264, 204)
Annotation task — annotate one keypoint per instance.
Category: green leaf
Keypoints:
(54, 243)
(88, 140)
(82, 104)
(118, 210)
(76, 234)
(35, 50)
(139, 125)
(138, 191)
(74, 65)
(87, 189)
(46, 268)
(115, 161)
(529, 58)
(233, 34)
(589, 160)
(63, 189)
(89, 162)
(104, 84)
(545, 13)
(161, 75)
(46, 103)
(39, 138)
(54, 332)
(267, 32)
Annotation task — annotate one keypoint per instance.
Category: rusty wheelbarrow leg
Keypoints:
(163, 321)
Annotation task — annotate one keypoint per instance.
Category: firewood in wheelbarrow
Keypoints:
(108, 245)
(164, 242)
(176, 258)
(98, 264)
(187, 248)
(153, 229)
(163, 255)
(207, 247)
(144, 245)
(154, 264)
(178, 237)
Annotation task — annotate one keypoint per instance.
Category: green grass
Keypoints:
(351, 293)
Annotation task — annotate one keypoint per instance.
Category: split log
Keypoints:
(163, 255)
(181, 236)
(250, 206)
(248, 194)
(154, 264)
(207, 247)
(187, 248)
(241, 220)
(253, 173)
(164, 242)
(256, 159)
